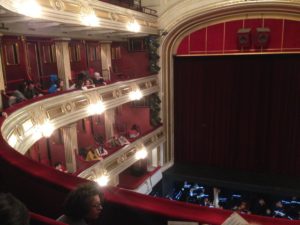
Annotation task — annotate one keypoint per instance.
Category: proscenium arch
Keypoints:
(201, 19)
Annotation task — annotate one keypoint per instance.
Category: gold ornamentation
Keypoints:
(57, 4)
(113, 16)
(122, 159)
(68, 107)
(85, 9)
(117, 93)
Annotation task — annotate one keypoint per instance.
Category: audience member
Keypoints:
(123, 140)
(18, 95)
(93, 154)
(82, 153)
(58, 166)
(12, 211)
(101, 150)
(114, 142)
(83, 205)
(134, 132)
(30, 91)
(4, 114)
(98, 79)
(56, 84)
(88, 83)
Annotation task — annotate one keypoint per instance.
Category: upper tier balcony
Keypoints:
(90, 20)
(24, 125)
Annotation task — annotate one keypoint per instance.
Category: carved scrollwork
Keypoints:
(122, 159)
(113, 16)
(57, 4)
(68, 107)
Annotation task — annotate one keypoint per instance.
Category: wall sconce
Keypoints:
(141, 154)
(262, 37)
(46, 129)
(244, 38)
(88, 17)
(103, 179)
(96, 108)
(12, 140)
(133, 26)
(135, 95)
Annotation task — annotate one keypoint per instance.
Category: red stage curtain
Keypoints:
(238, 112)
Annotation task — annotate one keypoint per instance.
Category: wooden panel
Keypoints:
(94, 56)
(32, 58)
(14, 62)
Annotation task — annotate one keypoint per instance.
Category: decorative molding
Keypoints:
(68, 12)
(57, 5)
(125, 157)
(67, 108)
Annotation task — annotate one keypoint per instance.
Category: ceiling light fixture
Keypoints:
(28, 7)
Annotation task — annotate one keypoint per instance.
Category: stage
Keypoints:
(238, 180)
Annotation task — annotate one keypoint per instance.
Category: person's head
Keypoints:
(12, 211)
(30, 84)
(84, 202)
(60, 83)
(58, 166)
(88, 82)
(97, 75)
(53, 78)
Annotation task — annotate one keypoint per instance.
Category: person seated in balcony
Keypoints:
(93, 154)
(58, 166)
(82, 153)
(56, 84)
(82, 205)
(88, 83)
(113, 142)
(18, 95)
(3, 114)
(30, 91)
(101, 150)
(12, 210)
(98, 79)
(134, 131)
(123, 141)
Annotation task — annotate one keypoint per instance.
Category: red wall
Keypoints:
(131, 64)
(134, 115)
(222, 38)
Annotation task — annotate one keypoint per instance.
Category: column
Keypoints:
(106, 59)
(63, 60)
(2, 84)
(109, 120)
(69, 133)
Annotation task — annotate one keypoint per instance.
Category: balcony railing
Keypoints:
(19, 129)
(133, 6)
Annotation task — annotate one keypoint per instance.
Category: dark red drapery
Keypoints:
(238, 112)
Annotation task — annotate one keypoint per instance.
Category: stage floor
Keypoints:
(245, 181)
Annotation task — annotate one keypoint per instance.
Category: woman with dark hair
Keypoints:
(83, 205)
(12, 211)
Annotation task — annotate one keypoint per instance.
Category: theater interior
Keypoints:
(195, 115)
